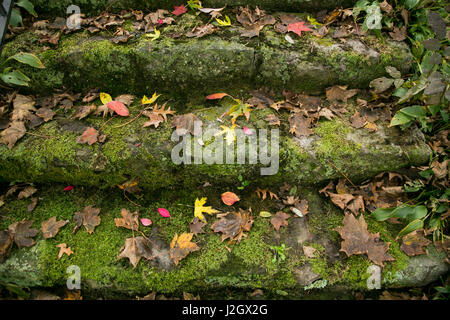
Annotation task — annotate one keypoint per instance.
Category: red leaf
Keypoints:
(164, 212)
(216, 96)
(179, 10)
(229, 198)
(68, 188)
(298, 27)
(146, 222)
(119, 108)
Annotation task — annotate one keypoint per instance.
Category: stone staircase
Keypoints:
(185, 70)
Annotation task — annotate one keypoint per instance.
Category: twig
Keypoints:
(106, 123)
(342, 173)
(134, 203)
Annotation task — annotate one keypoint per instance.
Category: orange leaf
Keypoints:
(216, 96)
(119, 108)
(298, 27)
(229, 198)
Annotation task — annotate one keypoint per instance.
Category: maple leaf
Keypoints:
(162, 112)
(88, 217)
(357, 121)
(89, 136)
(230, 134)
(229, 198)
(146, 100)
(6, 242)
(201, 31)
(280, 220)
(340, 93)
(23, 233)
(136, 248)
(358, 240)
(196, 226)
(63, 249)
(155, 119)
(187, 123)
(298, 27)
(181, 246)
(238, 110)
(200, 209)
(14, 132)
(300, 126)
(129, 220)
(262, 193)
(51, 227)
(179, 10)
(232, 225)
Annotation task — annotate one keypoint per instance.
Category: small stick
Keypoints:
(106, 123)
(339, 170)
(131, 200)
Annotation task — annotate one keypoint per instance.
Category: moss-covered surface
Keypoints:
(195, 67)
(50, 153)
(88, 6)
(216, 266)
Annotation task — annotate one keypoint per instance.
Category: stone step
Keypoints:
(50, 153)
(217, 265)
(221, 61)
(59, 7)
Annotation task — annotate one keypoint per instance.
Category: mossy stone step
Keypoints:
(221, 61)
(51, 153)
(217, 265)
(59, 7)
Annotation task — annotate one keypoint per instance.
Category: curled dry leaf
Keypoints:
(27, 192)
(187, 123)
(88, 217)
(340, 93)
(129, 220)
(6, 242)
(50, 227)
(83, 111)
(181, 246)
(413, 243)
(358, 240)
(45, 113)
(13, 133)
(232, 225)
(63, 249)
(300, 125)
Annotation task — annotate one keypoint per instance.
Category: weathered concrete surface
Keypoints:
(249, 264)
(59, 7)
(221, 61)
(131, 151)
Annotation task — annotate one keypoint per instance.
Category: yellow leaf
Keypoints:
(314, 22)
(200, 209)
(154, 36)
(105, 98)
(146, 100)
(224, 23)
(230, 135)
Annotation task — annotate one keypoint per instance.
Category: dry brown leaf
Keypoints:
(88, 217)
(129, 220)
(22, 107)
(309, 252)
(89, 136)
(45, 113)
(280, 220)
(358, 240)
(413, 243)
(83, 111)
(340, 93)
(13, 133)
(136, 248)
(196, 226)
(300, 125)
(232, 225)
(27, 192)
(63, 249)
(272, 120)
(51, 227)
(23, 233)
(6, 242)
(187, 123)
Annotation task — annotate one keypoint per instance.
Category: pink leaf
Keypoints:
(146, 222)
(164, 212)
(247, 131)
(119, 108)
(68, 188)
(298, 27)
(179, 10)
(216, 96)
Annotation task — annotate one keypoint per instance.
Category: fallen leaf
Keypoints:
(136, 248)
(200, 209)
(89, 136)
(216, 96)
(272, 120)
(51, 227)
(83, 111)
(27, 192)
(129, 220)
(229, 198)
(358, 240)
(164, 212)
(181, 246)
(22, 107)
(119, 108)
(179, 10)
(298, 27)
(45, 113)
(187, 123)
(300, 125)
(32, 205)
(88, 217)
(23, 233)
(146, 222)
(340, 93)
(130, 186)
(201, 31)
(6, 242)
(262, 193)
(68, 188)
(63, 249)
(280, 220)
(232, 225)
(13, 133)
(146, 100)
(357, 121)
(309, 252)
(196, 226)
(413, 243)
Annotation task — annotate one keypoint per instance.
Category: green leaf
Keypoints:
(16, 18)
(15, 77)
(29, 59)
(400, 118)
(411, 3)
(27, 5)
(382, 214)
(415, 111)
(413, 225)
(265, 214)
(418, 213)
(361, 5)
(373, 18)
(403, 211)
